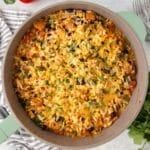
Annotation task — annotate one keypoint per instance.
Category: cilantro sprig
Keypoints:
(140, 128)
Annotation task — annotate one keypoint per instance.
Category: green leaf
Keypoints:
(9, 1)
(138, 139)
(147, 137)
(137, 136)
(147, 106)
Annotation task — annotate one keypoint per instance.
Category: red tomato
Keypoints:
(26, 1)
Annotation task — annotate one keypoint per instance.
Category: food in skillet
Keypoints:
(74, 72)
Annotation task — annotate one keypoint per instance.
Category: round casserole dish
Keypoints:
(127, 116)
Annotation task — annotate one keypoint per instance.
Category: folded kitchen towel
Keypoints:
(10, 20)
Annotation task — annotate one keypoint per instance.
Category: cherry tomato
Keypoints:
(26, 1)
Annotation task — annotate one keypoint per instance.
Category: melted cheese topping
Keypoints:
(74, 72)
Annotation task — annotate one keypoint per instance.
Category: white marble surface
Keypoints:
(122, 142)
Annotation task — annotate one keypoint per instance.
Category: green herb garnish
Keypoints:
(72, 47)
(140, 128)
(38, 122)
(94, 103)
(9, 1)
(50, 23)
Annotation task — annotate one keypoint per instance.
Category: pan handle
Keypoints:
(7, 127)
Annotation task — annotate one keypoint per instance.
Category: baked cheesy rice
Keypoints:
(74, 72)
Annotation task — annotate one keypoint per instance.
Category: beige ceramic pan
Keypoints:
(127, 116)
